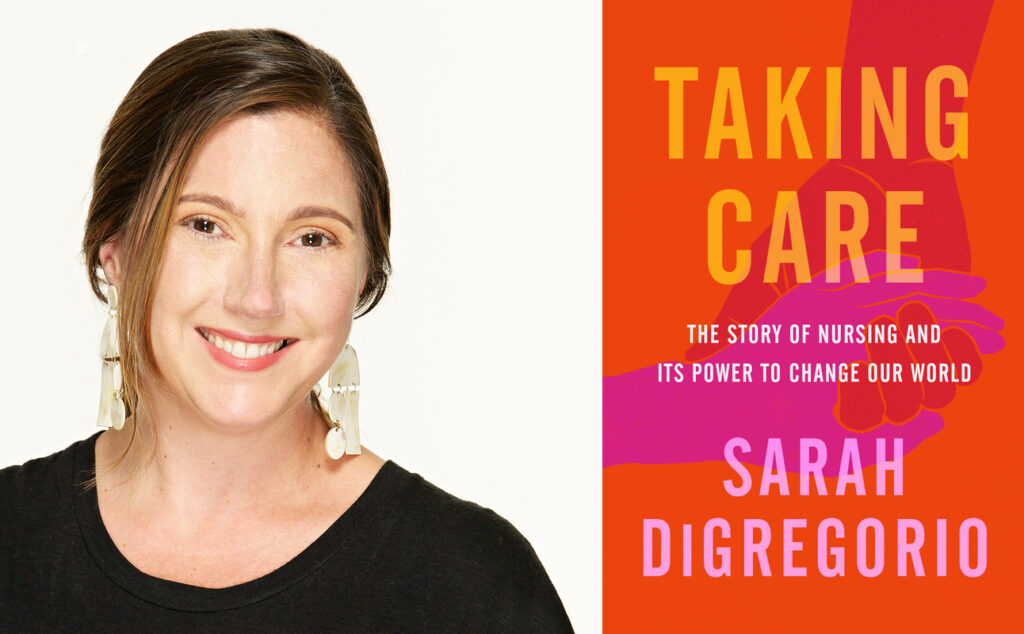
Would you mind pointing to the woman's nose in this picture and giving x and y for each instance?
(253, 289)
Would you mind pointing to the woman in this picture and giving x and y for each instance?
(240, 219)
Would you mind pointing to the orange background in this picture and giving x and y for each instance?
(656, 281)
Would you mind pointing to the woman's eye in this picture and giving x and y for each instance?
(205, 225)
(314, 240)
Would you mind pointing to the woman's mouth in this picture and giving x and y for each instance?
(241, 349)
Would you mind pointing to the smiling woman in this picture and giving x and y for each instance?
(240, 219)
(265, 246)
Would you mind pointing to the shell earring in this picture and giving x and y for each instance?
(342, 404)
(112, 408)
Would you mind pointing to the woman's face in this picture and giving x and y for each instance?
(265, 247)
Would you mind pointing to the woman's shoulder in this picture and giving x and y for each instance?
(37, 482)
(453, 525)
(468, 555)
(37, 520)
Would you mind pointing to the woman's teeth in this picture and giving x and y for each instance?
(243, 350)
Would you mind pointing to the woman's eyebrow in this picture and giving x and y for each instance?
(310, 211)
(305, 211)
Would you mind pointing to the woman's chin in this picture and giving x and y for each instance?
(248, 415)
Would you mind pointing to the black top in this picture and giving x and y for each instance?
(406, 556)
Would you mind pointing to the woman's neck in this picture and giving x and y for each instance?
(182, 463)
(214, 505)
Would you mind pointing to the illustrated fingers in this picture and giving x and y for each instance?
(849, 271)
(980, 323)
(942, 283)
(902, 397)
(854, 269)
(859, 406)
(944, 309)
(926, 348)
(962, 350)
(935, 282)
(987, 341)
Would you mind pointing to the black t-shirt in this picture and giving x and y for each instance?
(405, 557)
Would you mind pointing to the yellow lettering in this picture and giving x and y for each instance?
(728, 93)
(676, 77)
(897, 235)
(715, 237)
(787, 212)
(833, 118)
(956, 119)
(836, 237)
(894, 122)
(784, 108)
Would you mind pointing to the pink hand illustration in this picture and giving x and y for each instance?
(648, 421)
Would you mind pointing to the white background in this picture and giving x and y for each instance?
(481, 368)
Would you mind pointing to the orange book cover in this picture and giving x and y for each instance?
(810, 313)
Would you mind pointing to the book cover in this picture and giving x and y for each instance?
(810, 310)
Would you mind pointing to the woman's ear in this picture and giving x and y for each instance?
(110, 259)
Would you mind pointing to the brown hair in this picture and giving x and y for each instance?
(169, 109)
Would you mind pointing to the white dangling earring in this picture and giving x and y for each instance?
(112, 408)
(343, 404)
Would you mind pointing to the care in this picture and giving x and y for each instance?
(787, 220)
